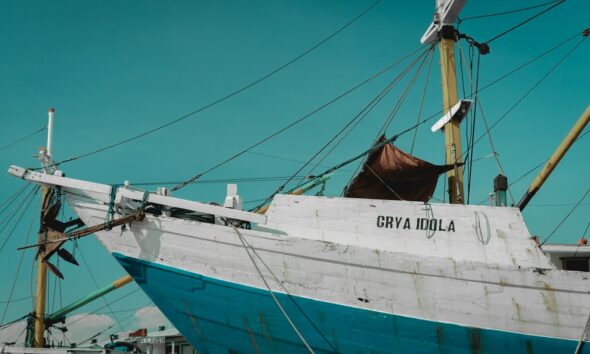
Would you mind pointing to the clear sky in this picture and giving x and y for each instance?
(113, 69)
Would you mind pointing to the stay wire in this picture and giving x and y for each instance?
(530, 90)
(98, 287)
(390, 117)
(422, 101)
(226, 97)
(18, 219)
(566, 217)
(524, 22)
(18, 268)
(23, 138)
(350, 126)
(102, 307)
(294, 123)
(370, 105)
(461, 20)
(12, 198)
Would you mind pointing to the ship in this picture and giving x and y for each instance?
(379, 270)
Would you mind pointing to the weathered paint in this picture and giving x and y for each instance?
(330, 254)
(223, 308)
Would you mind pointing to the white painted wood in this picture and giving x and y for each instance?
(332, 249)
(101, 192)
(504, 297)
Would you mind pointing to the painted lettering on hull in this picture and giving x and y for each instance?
(405, 223)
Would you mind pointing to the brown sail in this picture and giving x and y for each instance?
(390, 173)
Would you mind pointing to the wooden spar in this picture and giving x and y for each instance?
(41, 290)
(561, 150)
(89, 230)
(60, 315)
(452, 129)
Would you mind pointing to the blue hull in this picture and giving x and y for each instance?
(221, 317)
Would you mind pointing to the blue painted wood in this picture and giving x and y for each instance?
(218, 317)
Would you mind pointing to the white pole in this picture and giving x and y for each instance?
(50, 131)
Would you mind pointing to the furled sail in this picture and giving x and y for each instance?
(390, 173)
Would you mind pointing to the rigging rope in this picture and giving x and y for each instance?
(98, 288)
(461, 20)
(362, 114)
(343, 132)
(27, 200)
(530, 90)
(292, 124)
(422, 101)
(22, 139)
(566, 216)
(523, 22)
(285, 314)
(226, 97)
(18, 268)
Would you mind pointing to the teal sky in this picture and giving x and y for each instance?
(113, 69)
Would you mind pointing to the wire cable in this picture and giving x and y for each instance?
(294, 123)
(566, 217)
(530, 90)
(461, 20)
(226, 97)
(22, 139)
(523, 22)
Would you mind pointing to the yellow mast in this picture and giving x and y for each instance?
(41, 291)
(40, 294)
(452, 129)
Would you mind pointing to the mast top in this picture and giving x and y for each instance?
(446, 13)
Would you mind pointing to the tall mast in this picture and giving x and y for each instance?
(442, 30)
(41, 292)
(452, 129)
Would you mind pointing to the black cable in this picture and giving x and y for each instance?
(26, 201)
(530, 90)
(226, 97)
(350, 126)
(14, 196)
(98, 288)
(20, 263)
(366, 109)
(472, 137)
(523, 22)
(566, 217)
(422, 101)
(102, 307)
(461, 20)
(22, 139)
(292, 124)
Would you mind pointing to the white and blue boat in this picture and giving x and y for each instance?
(342, 274)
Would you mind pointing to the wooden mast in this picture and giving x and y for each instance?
(452, 129)
(41, 291)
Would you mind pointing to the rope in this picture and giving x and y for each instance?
(356, 120)
(523, 22)
(28, 200)
(226, 97)
(292, 124)
(285, 314)
(98, 287)
(566, 216)
(22, 139)
(18, 268)
(367, 110)
(461, 20)
(422, 101)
